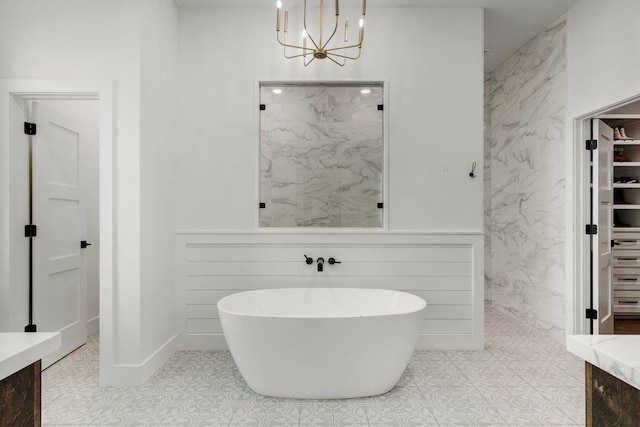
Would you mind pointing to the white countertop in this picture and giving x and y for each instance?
(20, 349)
(618, 355)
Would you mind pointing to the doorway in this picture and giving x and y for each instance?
(65, 195)
(607, 220)
(12, 289)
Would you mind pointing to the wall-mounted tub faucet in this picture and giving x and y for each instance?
(320, 262)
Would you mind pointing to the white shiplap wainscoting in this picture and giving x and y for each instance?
(446, 269)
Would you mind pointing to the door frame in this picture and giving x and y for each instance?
(578, 272)
(103, 92)
(578, 262)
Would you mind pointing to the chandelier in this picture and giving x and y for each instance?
(317, 47)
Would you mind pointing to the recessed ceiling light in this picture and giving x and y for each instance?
(277, 91)
(365, 91)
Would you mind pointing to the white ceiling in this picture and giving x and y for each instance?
(508, 24)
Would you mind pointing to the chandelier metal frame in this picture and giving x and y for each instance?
(319, 48)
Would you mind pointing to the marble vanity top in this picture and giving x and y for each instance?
(20, 349)
(618, 355)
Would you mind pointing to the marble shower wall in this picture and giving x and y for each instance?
(528, 102)
(321, 156)
(487, 186)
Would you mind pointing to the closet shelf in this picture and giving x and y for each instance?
(623, 185)
(628, 164)
(634, 229)
(626, 206)
(630, 142)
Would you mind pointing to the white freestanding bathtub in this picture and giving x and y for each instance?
(321, 343)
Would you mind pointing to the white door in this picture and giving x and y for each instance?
(602, 217)
(59, 270)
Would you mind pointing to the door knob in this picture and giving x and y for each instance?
(84, 244)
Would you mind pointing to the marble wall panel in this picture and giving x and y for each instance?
(487, 184)
(527, 97)
(321, 156)
(543, 58)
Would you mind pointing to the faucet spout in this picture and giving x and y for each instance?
(320, 262)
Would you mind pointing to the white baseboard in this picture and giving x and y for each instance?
(93, 325)
(135, 375)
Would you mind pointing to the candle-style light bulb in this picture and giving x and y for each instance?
(286, 19)
(364, 7)
(346, 30)
(278, 6)
(304, 42)
(361, 23)
(337, 7)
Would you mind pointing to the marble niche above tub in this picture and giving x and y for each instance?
(321, 155)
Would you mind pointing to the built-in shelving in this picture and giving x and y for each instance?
(626, 206)
(622, 185)
(626, 164)
(626, 217)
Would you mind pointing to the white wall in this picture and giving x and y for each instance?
(603, 55)
(433, 60)
(158, 174)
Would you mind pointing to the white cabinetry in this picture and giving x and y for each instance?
(626, 218)
(626, 273)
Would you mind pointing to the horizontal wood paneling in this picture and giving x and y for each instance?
(347, 254)
(442, 269)
(211, 326)
(458, 283)
(299, 268)
(431, 297)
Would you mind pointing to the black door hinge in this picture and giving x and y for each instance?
(29, 128)
(591, 144)
(380, 107)
(380, 205)
(30, 230)
(263, 107)
(592, 313)
(591, 229)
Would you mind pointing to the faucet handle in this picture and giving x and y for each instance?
(332, 261)
(308, 260)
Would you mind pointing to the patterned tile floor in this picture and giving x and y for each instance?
(520, 379)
